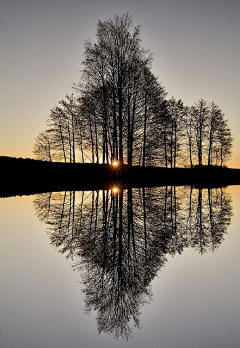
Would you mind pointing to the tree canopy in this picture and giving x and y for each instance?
(120, 112)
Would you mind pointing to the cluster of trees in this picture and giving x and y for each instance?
(119, 111)
(61, 138)
(120, 240)
(188, 136)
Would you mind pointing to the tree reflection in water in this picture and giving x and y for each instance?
(119, 240)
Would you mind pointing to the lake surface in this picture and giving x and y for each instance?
(137, 268)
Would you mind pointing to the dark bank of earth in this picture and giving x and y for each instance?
(28, 176)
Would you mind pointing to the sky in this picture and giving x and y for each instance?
(196, 46)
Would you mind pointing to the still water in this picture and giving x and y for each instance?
(139, 268)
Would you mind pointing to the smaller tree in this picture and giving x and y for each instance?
(200, 118)
(215, 120)
(56, 129)
(219, 137)
(42, 148)
(176, 130)
(225, 143)
(65, 134)
(188, 147)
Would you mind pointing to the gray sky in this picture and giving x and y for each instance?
(196, 46)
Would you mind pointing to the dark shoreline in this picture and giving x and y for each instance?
(28, 176)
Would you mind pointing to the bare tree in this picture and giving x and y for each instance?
(65, 134)
(42, 148)
(200, 116)
(63, 129)
(225, 143)
(176, 130)
(116, 78)
(188, 129)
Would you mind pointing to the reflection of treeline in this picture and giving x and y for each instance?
(119, 240)
(120, 112)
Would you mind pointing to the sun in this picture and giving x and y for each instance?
(115, 190)
(114, 163)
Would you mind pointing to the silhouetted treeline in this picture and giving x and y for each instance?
(119, 112)
(120, 239)
(23, 176)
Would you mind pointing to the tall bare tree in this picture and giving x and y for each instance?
(114, 79)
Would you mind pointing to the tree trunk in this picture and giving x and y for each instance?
(144, 132)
